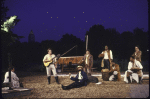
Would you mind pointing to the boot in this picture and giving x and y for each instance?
(129, 81)
(57, 80)
(49, 79)
(67, 87)
(64, 87)
(140, 82)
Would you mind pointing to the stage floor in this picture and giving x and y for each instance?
(107, 89)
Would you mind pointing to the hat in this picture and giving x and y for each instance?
(79, 66)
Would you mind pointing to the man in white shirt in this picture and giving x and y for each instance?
(108, 57)
(80, 80)
(52, 66)
(134, 66)
(14, 78)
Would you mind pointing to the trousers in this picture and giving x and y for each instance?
(106, 64)
(49, 68)
(87, 69)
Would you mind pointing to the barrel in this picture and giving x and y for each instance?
(105, 74)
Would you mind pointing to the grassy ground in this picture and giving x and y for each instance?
(108, 89)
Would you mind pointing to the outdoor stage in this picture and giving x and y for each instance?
(37, 81)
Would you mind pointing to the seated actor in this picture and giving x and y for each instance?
(134, 66)
(14, 78)
(80, 80)
(114, 72)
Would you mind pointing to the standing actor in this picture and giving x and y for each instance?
(80, 80)
(88, 59)
(108, 57)
(134, 66)
(137, 54)
(114, 72)
(52, 66)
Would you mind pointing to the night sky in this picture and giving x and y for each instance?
(50, 19)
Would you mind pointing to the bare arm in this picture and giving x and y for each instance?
(139, 54)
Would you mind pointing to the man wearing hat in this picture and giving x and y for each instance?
(80, 79)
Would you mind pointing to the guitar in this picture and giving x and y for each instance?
(50, 60)
(47, 62)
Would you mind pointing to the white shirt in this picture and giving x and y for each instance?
(80, 76)
(136, 64)
(86, 59)
(48, 57)
(14, 79)
(113, 67)
(106, 55)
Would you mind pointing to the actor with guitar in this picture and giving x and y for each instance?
(50, 63)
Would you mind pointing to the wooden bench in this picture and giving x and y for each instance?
(9, 84)
(69, 69)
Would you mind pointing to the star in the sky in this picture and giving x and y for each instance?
(57, 17)
(59, 35)
(79, 31)
(78, 21)
(54, 29)
(120, 19)
(100, 19)
(46, 29)
(55, 26)
(74, 17)
(93, 18)
(126, 20)
(121, 25)
(84, 29)
(43, 23)
(83, 12)
(109, 17)
(80, 28)
(104, 21)
(41, 31)
(86, 21)
(98, 23)
(51, 17)
(47, 12)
